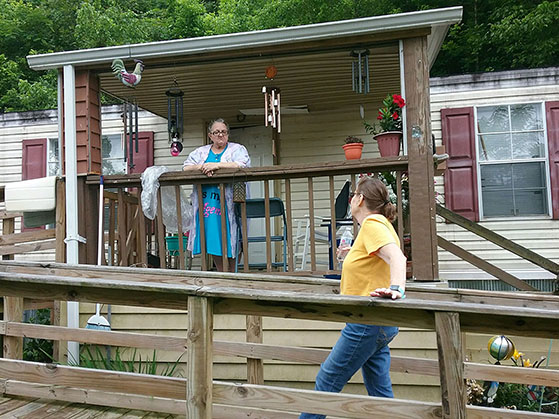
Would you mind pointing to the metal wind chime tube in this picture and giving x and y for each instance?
(272, 107)
(360, 71)
(131, 137)
(175, 118)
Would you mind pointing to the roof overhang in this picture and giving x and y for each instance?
(437, 21)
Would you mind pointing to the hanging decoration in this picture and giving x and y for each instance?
(128, 79)
(175, 118)
(360, 71)
(271, 72)
(272, 105)
(130, 119)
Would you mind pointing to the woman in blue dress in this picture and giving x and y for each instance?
(220, 154)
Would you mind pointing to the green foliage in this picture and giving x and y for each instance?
(38, 350)
(99, 359)
(494, 35)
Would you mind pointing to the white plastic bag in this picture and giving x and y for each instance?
(150, 185)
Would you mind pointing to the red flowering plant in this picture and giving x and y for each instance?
(389, 115)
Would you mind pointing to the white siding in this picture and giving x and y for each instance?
(540, 235)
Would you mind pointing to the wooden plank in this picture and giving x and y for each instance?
(289, 226)
(236, 412)
(534, 376)
(90, 379)
(199, 358)
(420, 154)
(224, 233)
(111, 240)
(129, 198)
(48, 409)
(102, 398)
(244, 222)
(333, 225)
(485, 266)
(160, 231)
(345, 405)
(311, 222)
(27, 236)
(255, 366)
(268, 226)
(141, 237)
(13, 311)
(27, 248)
(121, 223)
(400, 209)
(60, 224)
(180, 234)
(497, 239)
(451, 365)
(202, 228)
(9, 214)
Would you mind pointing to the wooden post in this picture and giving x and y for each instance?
(58, 347)
(451, 365)
(199, 358)
(420, 155)
(255, 367)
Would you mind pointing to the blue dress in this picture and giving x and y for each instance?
(212, 217)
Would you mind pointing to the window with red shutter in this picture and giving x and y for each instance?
(552, 119)
(460, 184)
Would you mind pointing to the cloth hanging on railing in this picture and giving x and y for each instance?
(150, 185)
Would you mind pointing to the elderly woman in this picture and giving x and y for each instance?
(375, 266)
(220, 154)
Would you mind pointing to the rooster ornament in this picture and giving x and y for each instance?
(128, 79)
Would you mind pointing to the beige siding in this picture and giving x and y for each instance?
(538, 234)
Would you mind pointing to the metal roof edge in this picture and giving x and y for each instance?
(375, 24)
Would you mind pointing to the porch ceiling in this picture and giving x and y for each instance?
(320, 80)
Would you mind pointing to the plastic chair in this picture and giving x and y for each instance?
(172, 243)
(303, 232)
(255, 209)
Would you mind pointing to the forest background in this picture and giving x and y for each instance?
(494, 35)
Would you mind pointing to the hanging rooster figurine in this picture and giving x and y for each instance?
(128, 79)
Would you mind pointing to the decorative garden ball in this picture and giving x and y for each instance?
(500, 347)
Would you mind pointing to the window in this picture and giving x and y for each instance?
(53, 163)
(511, 154)
(113, 154)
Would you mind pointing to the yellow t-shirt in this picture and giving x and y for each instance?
(363, 271)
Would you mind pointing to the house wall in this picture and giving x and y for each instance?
(540, 235)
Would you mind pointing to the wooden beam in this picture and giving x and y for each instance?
(451, 365)
(420, 154)
(255, 366)
(17, 249)
(497, 239)
(199, 358)
(485, 266)
(27, 236)
(13, 311)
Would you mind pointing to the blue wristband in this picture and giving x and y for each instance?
(399, 289)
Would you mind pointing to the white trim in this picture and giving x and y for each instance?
(437, 19)
(403, 94)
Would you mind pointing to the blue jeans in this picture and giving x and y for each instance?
(360, 346)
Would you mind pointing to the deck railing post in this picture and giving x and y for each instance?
(451, 365)
(199, 358)
(255, 367)
(13, 311)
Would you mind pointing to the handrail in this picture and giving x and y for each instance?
(448, 318)
(498, 239)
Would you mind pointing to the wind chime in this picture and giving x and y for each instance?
(130, 119)
(175, 118)
(360, 71)
(272, 101)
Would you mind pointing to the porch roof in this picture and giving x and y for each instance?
(437, 21)
(223, 75)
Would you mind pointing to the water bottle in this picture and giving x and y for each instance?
(345, 242)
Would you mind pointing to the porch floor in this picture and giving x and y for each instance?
(30, 408)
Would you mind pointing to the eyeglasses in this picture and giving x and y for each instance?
(352, 194)
(222, 132)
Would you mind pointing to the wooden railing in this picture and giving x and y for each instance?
(448, 312)
(134, 237)
(498, 240)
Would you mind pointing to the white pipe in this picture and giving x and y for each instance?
(72, 256)
(60, 123)
(403, 94)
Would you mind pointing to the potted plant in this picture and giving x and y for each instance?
(389, 131)
(353, 148)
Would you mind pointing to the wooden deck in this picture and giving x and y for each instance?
(29, 408)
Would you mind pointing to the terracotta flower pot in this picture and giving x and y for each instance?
(353, 151)
(389, 143)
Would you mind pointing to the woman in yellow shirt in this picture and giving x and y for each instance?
(374, 266)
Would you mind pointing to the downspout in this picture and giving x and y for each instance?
(60, 124)
(72, 237)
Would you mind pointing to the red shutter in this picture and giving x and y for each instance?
(460, 183)
(34, 159)
(144, 157)
(33, 164)
(552, 115)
